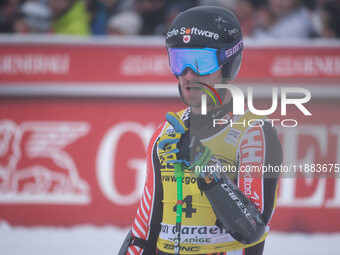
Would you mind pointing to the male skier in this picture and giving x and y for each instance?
(224, 212)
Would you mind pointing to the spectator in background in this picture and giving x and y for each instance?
(124, 23)
(8, 10)
(70, 17)
(230, 4)
(100, 11)
(158, 14)
(259, 18)
(103, 10)
(329, 18)
(245, 10)
(34, 17)
(175, 7)
(284, 19)
(152, 13)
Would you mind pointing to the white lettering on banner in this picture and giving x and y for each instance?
(306, 65)
(53, 179)
(37, 64)
(139, 65)
(287, 197)
(106, 157)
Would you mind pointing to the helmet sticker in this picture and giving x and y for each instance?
(235, 49)
(186, 38)
(200, 32)
(233, 31)
(192, 31)
(221, 23)
(172, 33)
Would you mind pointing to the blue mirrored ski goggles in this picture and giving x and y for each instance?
(202, 61)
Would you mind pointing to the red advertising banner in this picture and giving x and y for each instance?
(74, 162)
(143, 61)
(68, 162)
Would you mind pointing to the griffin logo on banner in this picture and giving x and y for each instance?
(34, 166)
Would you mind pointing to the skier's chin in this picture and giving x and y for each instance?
(194, 102)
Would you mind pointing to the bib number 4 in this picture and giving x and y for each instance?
(188, 209)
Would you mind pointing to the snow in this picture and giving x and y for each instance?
(91, 240)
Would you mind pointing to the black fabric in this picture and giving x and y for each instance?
(125, 245)
(273, 157)
(202, 125)
(148, 247)
(238, 215)
(255, 250)
(130, 240)
(202, 185)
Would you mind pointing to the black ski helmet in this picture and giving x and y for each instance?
(213, 27)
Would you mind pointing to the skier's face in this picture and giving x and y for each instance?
(192, 88)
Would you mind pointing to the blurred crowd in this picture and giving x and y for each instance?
(259, 18)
